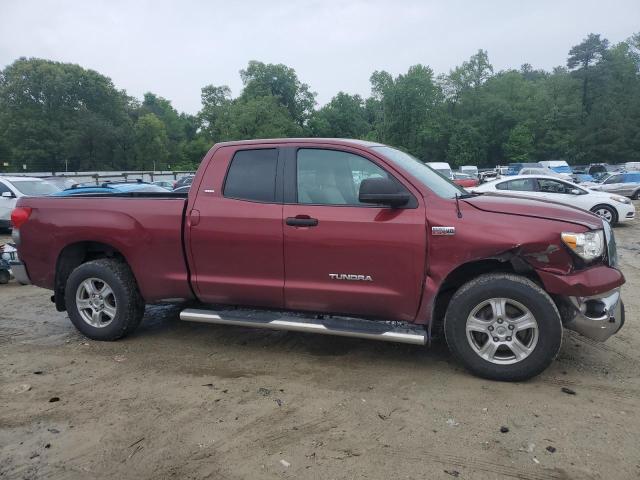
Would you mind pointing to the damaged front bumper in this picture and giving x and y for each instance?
(598, 316)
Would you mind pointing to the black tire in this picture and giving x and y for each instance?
(4, 277)
(129, 305)
(611, 210)
(509, 286)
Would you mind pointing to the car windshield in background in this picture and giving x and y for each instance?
(434, 181)
(32, 188)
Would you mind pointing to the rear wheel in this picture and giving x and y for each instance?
(503, 327)
(606, 212)
(103, 300)
(636, 195)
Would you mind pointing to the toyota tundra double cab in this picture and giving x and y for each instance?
(337, 237)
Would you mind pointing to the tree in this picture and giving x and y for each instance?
(582, 58)
(519, 146)
(281, 82)
(344, 116)
(151, 142)
(55, 114)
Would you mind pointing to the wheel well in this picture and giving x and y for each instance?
(73, 256)
(468, 271)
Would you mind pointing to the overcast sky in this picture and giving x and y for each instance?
(174, 48)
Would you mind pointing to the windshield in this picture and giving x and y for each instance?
(562, 169)
(430, 178)
(32, 188)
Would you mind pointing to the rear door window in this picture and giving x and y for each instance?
(252, 175)
(519, 185)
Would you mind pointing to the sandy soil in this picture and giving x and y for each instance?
(178, 400)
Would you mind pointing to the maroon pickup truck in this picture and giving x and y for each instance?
(339, 237)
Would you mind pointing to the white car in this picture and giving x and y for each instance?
(12, 188)
(613, 208)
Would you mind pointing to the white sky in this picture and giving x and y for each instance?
(174, 48)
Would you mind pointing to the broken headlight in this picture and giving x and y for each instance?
(588, 245)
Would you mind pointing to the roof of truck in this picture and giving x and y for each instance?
(337, 141)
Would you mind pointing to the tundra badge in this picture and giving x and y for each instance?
(443, 230)
(348, 276)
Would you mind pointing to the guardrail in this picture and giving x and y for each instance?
(150, 176)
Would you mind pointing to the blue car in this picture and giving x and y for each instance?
(111, 188)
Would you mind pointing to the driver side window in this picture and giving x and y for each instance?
(332, 177)
(553, 186)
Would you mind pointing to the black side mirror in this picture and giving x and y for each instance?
(383, 191)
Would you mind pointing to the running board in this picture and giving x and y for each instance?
(341, 326)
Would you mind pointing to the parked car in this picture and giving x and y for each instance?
(469, 170)
(111, 188)
(600, 169)
(632, 166)
(164, 184)
(441, 167)
(544, 171)
(558, 166)
(182, 181)
(623, 183)
(349, 238)
(582, 178)
(465, 180)
(13, 188)
(60, 182)
(514, 168)
(612, 208)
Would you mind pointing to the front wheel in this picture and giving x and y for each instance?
(606, 212)
(103, 300)
(503, 327)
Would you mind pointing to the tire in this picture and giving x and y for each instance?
(4, 277)
(542, 341)
(118, 310)
(636, 195)
(611, 212)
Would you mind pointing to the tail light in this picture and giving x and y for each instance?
(19, 216)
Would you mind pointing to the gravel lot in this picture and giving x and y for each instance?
(178, 400)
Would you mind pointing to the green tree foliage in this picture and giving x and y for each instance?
(152, 142)
(344, 116)
(279, 81)
(56, 115)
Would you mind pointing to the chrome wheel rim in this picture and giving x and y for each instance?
(96, 302)
(604, 213)
(502, 331)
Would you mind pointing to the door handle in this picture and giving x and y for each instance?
(194, 217)
(302, 221)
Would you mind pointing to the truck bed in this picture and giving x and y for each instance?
(145, 228)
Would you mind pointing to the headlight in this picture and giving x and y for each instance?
(588, 245)
(617, 198)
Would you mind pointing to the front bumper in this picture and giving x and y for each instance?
(19, 272)
(626, 212)
(598, 316)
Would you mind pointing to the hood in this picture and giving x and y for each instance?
(530, 207)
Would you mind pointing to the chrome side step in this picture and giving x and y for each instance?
(340, 326)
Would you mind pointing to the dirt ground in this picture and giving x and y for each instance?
(179, 400)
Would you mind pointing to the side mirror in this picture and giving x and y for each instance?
(8, 195)
(383, 191)
(575, 191)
